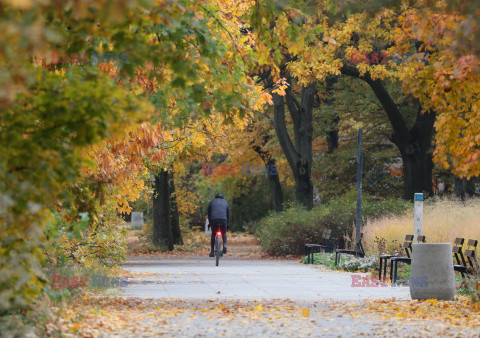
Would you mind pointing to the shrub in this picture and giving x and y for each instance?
(287, 232)
(347, 262)
(327, 259)
(84, 243)
(361, 264)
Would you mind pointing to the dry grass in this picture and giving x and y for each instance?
(443, 220)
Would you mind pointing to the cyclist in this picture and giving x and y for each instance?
(218, 216)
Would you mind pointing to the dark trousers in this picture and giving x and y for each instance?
(218, 226)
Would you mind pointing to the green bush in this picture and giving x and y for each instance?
(347, 262)
(287, 232)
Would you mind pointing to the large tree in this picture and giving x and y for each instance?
(166, 223)
(414, 143)
(298, 152)
(315, 46)
(418, 46)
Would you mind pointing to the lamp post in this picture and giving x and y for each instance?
(358, 220)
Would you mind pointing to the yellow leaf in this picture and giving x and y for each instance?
(259, 307)
(305, 312)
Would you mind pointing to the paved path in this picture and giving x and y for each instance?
(244, 298)
(246, 279)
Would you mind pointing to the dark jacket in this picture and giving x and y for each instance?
(218, 210)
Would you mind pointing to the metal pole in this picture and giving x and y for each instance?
(358, 220)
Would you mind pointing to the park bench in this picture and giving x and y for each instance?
(327, 246)
(384, 258)
(407, 260)
(458, 254)
(358, 252)
(470, 265)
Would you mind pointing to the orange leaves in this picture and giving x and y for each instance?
(466, 65)
(307, 57)
(458, 130)
(264, 98)
(461, 313)
(147, 139)
(448, 84)
(119, 162)
(280, 86)
(102, 316)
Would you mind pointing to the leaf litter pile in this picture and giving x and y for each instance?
(93, 316)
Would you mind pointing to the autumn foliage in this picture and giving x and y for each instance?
(80, 142)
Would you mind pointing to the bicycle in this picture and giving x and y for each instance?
(218, 247)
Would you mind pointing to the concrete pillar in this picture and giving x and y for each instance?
(432, 275)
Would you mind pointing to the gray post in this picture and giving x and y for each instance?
(358, 220)
(418, 214)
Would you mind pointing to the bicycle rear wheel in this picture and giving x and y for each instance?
(217, 250)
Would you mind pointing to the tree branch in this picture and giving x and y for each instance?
(282, 133)
(399, 124)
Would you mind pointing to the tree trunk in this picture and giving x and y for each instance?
(464, 187)
(299, 157)
(276, 194)
(162, 229)
(417, 174)
(414, 144)
(332, 140)
(303, 184)
(417, 160)
(275, 186)
(175, 220)
(332, 133)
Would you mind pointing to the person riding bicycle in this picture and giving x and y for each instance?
(218, 216)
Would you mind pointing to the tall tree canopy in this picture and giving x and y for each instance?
(179, 69)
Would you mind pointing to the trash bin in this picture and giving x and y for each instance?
(432, 275)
